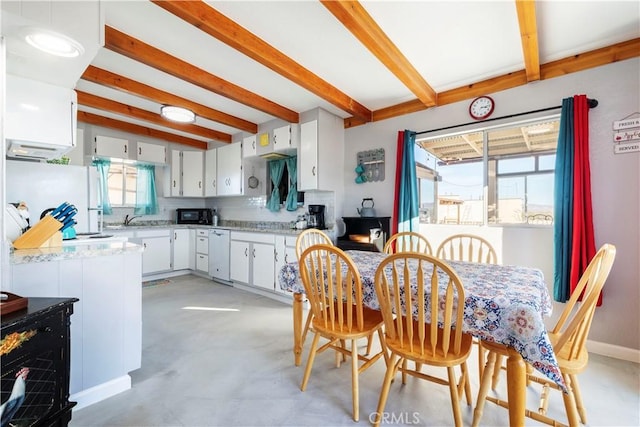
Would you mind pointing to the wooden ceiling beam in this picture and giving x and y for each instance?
(529, 36)
(573, 64)
(139, 51)
(212, 22)
(356, 19)
(98, 120)
(115, 81)
(94, 101)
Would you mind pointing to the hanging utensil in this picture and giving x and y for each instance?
(253, 182)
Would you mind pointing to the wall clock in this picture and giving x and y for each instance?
(481, 107)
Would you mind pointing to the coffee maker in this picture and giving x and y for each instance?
(316, 217)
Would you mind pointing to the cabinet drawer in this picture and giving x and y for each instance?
(202, 262)
(253, 237)
(163, 232)
(202, 245)
(202, 233)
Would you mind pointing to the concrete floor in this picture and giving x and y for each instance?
(232, 365)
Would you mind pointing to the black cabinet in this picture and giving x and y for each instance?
(358, 225)
(35, 363)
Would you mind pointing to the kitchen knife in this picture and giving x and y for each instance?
(68, 212)
(69, 223)
(59, 209)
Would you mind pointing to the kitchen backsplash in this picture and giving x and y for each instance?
(234, 208)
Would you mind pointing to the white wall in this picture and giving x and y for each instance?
(615, 180)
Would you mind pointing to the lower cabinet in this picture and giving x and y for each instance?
(252, 259)
(157, 250)
(202, 250)
(183, 248)
(285, 247)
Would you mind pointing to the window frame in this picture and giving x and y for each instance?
(126, 170)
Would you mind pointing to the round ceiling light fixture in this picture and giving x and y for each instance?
(177, 114)
(53, 43)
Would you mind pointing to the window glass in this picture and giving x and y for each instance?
(518, 174)
(427, 190)
(122, 184)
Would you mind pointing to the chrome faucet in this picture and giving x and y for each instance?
(127, 220)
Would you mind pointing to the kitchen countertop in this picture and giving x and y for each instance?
(71, 251)
(254, 227)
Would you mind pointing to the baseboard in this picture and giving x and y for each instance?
(615, 351)
(100, 392)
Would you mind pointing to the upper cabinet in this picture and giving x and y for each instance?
(280, 141)
(321, 137)
(41, 119)
(187, 172)
(211, 173)
(229, 169)
(249, 146)
(151, 153)
(106, 146)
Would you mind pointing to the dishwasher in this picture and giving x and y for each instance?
(219, 255)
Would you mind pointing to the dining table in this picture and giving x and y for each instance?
(505, 304)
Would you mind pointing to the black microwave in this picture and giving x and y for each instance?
(200, 216)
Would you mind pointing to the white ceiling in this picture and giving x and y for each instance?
(450, 43)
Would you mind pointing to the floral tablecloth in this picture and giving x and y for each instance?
(504, 303)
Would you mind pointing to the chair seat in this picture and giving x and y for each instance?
(372, 320)
(424, 355)
(567, 365)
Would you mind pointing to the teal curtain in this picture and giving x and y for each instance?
(276, 169)
(563, 203)
(146, 199)
(103, 171)
(292, 196)
(408, 200)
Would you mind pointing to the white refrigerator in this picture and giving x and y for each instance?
(42, 186)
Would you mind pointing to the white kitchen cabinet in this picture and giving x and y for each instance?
(106, 146)
(192, 173)
(187, 172)
(249, 146)
(252, 259)
(152, 153)
(202, 250)
(210, 172)
(239, 260)
(157, 250)
(39, 114)
(262, 264)
(229, 169)
(321, 137)
(285, 138)
(285, 252)
(183, 249)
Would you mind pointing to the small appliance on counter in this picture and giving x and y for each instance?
(198, 216)
(316, 217)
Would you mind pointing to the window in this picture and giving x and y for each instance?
(122, 184)
(499, 175)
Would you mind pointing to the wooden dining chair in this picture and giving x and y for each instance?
(407, 241)
(432, 334)
(469, 247)
(334, 288)
(568, 338)
(307, 238)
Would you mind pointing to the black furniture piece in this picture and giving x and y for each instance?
(358, 225)
(35, 363)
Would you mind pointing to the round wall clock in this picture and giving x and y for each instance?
(481, 107)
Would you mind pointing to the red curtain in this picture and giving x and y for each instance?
(583, 246)
(396, 198)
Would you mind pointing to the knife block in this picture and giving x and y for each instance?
(40, 233)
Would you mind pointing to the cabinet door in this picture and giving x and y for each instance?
(239, 261)
(282, 138)
(230, 169)
(192, 173)
(202, 245)
(176, 173)
(157, 254)
(152, 153)
(210, 173)
(263, 265)
(308, 156)
(249, 146)
(182, 248)
(111, 147)
(202, 263)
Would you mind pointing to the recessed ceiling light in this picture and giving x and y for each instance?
(53, 43)
(177, 114)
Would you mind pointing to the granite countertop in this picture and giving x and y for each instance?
(249, 226)
(71, 251)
